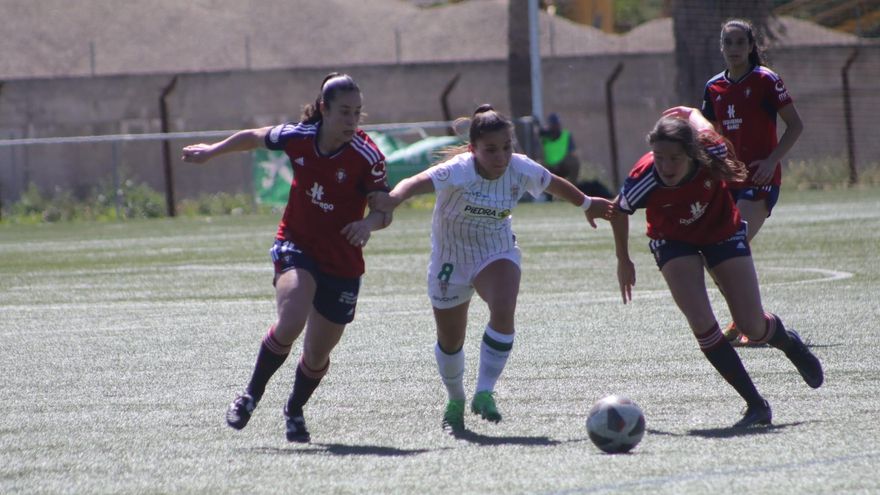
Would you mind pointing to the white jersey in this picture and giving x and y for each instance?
(472, 216)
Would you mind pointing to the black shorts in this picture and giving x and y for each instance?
(335, 297)
(735, 245)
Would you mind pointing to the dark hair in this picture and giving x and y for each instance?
(484, 121)
(707, 148)
(333, 84)
(755, 57)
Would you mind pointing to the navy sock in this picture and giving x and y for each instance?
(269, 358)
(778, 337)
(726, 361)
(304, 385)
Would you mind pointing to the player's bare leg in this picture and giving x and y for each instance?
(498, 285)
(449, 353)
(685, 277)
(754, 213)
(740, 282)
(294, 292)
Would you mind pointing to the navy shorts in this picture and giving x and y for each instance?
(735, 245)
(335, 297)
(768, 194)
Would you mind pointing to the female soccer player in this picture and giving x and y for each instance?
(682, 184)
(318, 248)
(474, 249)
(743, 102)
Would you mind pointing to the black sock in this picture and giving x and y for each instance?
(303, 387)
(726, 361)
(269, 359)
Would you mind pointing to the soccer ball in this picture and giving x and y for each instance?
(616, 424)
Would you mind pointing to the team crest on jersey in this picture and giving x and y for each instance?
(340, 175)
(707, 184)
(748, 92)
(442, 174)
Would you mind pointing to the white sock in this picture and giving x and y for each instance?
(451, 368)
(494, 350)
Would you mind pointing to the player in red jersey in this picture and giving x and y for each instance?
(743, 102)
(692, 221)
(318, 249)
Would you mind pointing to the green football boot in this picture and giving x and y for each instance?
(484, 405)
(453, 417)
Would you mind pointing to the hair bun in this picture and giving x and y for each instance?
(485, 107)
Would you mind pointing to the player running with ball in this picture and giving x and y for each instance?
(691, 217)
(474, 249)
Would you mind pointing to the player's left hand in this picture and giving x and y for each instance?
(357, 233)
(764, 170)
(599, 208)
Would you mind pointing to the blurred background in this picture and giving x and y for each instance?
(127, 70)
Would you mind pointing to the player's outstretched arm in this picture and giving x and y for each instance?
(411, 186)
(626, 270)
(244, 140)
(694, 117)
(594, 207)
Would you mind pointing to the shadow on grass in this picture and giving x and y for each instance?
(480, 439)
(727, 432)
(342, 450)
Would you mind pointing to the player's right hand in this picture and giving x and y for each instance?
(626, 277)
(197, 153)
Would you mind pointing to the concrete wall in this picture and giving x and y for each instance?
(573, 86)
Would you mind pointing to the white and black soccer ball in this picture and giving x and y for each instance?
(616, 424)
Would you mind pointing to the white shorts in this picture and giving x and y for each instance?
(450, 285)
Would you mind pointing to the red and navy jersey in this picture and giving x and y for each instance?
(745, 113)
(328, 192)
(700, 211)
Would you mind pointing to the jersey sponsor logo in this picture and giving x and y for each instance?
(378, 171)
(697, 211)
(317, 195)
(483, 212)
(732, 122)
(780, 88)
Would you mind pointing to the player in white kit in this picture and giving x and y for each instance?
(473, 248)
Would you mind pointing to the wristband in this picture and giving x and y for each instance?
(586, 204)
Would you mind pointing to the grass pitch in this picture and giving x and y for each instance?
(123, 343)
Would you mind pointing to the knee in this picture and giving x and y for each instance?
(753, 328)
(501, 314)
